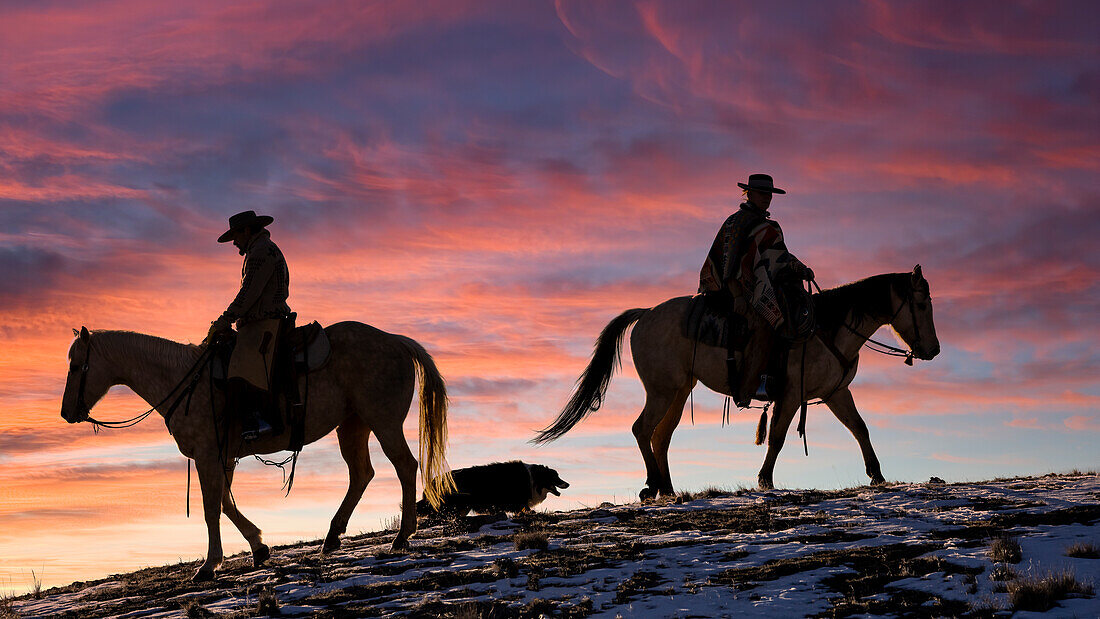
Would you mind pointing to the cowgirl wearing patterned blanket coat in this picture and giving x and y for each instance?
(745, 261)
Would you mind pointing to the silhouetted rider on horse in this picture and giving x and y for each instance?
(748, 266)
(260, 311)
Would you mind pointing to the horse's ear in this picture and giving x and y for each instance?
(84, 335)
(917, 275)
(76, 333)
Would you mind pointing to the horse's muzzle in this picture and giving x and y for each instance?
(927, 355)
(79, 415)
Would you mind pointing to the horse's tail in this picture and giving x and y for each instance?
(589, 391)
(433, 424)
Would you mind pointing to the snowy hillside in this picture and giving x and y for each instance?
(901, 550)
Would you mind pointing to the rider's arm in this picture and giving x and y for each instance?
(259, 267)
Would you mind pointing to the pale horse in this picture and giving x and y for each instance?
(366, 386)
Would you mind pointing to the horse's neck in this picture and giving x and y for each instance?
(148, 365)
(854, 334)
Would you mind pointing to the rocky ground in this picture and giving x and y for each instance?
(1021, 547)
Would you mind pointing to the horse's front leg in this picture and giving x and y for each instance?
(212, 483)
(782, 416)
(251, 533)
(844, 407)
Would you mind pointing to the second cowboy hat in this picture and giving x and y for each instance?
(240, 220)
(760, 182)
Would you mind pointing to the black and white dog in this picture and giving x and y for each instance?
(498, 487)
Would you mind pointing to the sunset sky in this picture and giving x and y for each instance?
(497, 180)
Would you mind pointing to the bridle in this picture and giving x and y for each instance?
(86, 414)
(887, 349)
(81, 405)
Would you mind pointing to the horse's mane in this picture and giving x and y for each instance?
(866, 297)
(122, 344)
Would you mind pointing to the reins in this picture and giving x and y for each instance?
(136, 419)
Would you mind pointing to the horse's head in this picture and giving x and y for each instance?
(87, 380)
(913, 318)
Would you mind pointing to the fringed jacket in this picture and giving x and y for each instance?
(265, 283)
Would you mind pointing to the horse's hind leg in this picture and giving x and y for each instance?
(353, 435)
(662, 437)
(656, 406)
(844, 407)
(782, 416)
(397, 450)
(251, 533)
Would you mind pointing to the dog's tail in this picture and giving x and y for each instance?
(591, 386)
(433, 424)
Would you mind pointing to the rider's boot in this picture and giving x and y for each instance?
(244, 401)
(769, 388)
(254, 426)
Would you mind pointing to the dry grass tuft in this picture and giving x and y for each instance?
(1005, 549)
(392, 523)
(1040, 593)
(532, 539)
(268, 603)
(713, 492)
(194, 610)
(1083, 550)
(37, 585)
(7, 611)
(1072, 473)
(638, 584)
(987, 605)
(476, 610)
(1002, 573)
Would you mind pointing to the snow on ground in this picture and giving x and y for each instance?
(904, 549)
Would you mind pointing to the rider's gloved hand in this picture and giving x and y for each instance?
(218, 326)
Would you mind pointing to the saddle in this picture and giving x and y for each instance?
(301, 351)
(304, 349)
(708, 321)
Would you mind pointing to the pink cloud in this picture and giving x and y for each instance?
(1087, 423)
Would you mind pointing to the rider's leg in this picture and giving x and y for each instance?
(246, 401)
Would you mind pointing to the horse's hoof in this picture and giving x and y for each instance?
(766, 484)
(203, 575)
(399, 545)
(647, 494)
(260, 554)
(878, 480)
(330, 545)
(666, 492)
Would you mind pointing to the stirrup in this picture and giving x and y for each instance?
(262, 428)
(762, 391)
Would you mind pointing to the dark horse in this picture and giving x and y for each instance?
(670, 364)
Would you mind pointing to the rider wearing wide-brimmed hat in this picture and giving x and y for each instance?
(745, 261)
(258, 309)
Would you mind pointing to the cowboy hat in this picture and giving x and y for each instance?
(760, 182)
(240, 220)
